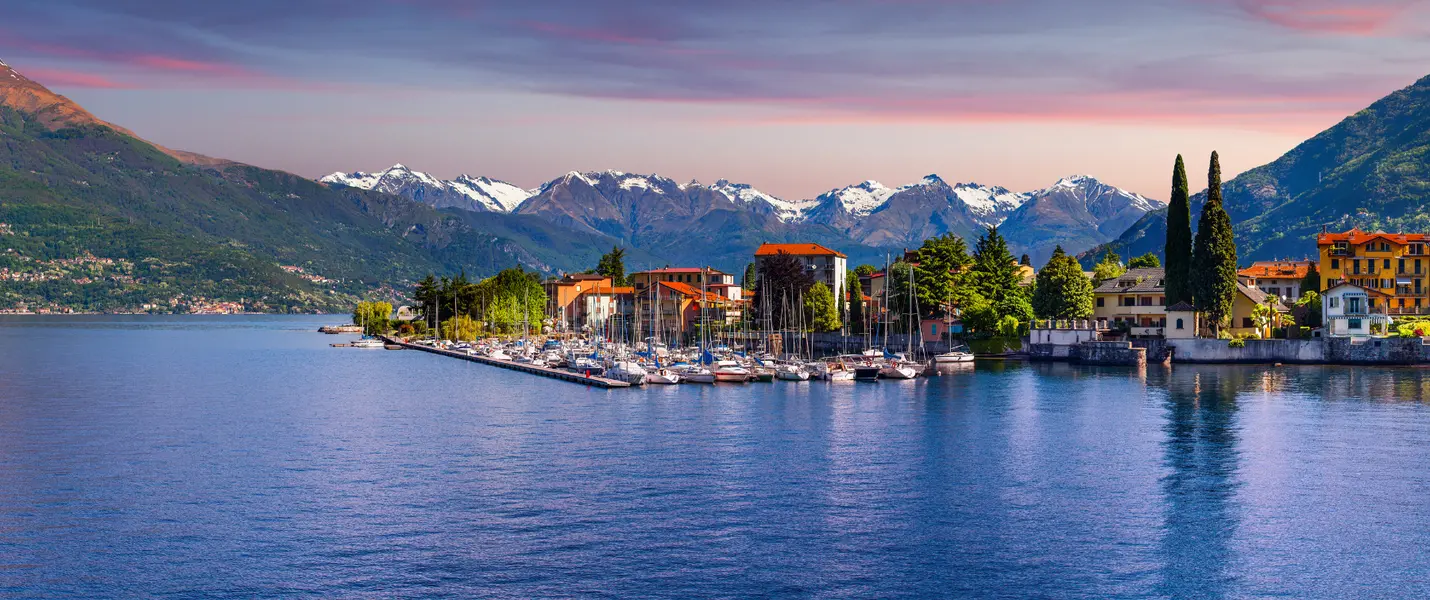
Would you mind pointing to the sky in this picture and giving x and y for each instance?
(793, 97)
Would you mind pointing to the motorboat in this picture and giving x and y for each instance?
(791, 372)
(584, 364)
(628, 371)
(366, 343)
(498, 354)
(841, 372)
(867, 372)
(698, 375)
(898, 370)
(731, 371)
(662, 377)
(762, 374)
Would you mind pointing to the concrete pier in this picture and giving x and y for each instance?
(600, 382)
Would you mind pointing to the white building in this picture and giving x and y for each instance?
(1351, 310)
(827, 266)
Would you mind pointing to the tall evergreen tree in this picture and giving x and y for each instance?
(1214, 255)
(995, 273)
(749, 281)
(819, 310)
(1063, 292)
(1178, 249)
(613, 265)
(1312, 281)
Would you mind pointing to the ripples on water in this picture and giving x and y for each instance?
(242, 457)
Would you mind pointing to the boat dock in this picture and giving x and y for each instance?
(600, 382)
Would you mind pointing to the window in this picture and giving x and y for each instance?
(1099, 302)
(1274, 291)
(1247, 322)
(1179, 323)
(1335, 263)
(1370, 302)
(1162, 300)
(1401, 265)
(1386, 264)
(1146, 301)
(1355, 266)
(1353, 323)
(1334, 302)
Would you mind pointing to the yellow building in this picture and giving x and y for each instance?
(1243, 312)
(1137, 300)
(1393, 264)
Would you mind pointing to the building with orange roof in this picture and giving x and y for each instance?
(1279, 278)
(826, 265)
(1393, 265)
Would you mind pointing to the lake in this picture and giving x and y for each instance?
(241, 457)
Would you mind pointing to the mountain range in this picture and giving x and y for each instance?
(661, 215)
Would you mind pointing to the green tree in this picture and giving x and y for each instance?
(819, 308)
(994, 273)
(1178, 248)
(1312, 281)
(1214, 255)
(865, 270)
(1307, 310)
(856, 303)
(1026, 261)
(749, 281)
(940, 272)
(1062, 292)
(375, 317)
(1146, 261)
(978, 315)
(1109, 268)
(613, 265)
(461, 328)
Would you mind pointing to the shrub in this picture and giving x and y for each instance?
(1236, 343)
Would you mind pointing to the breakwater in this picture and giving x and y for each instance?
(600, 382)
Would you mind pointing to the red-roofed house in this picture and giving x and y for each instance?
(827, 266)
(1395, 265)
(1280, 278)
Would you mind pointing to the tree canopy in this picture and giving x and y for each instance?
(856, 303)
(373, 316)
(613, 265)
(1063, 292)
(994, 272)
(942, 262)
(820, 312)
(783, 282)
(1146, 261)
(1109, 268)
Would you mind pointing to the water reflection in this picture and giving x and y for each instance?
(1199, 491)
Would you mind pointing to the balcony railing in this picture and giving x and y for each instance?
(1407, 311)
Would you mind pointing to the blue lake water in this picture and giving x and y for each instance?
(241, 457)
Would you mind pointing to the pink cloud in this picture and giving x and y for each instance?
(75, 79)
(1364, 18)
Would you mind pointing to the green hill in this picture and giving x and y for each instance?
(1371, 170)
(95, 219)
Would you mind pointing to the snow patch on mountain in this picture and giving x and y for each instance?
(743, 193)
(1089, 188)
(989, 204)
(863, 199)
(481, 192)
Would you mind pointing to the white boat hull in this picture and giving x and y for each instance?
(899, 372)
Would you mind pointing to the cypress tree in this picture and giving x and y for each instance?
(1214, 254)
(1178, 250)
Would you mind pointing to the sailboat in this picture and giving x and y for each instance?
(365, 342)
(898, 367)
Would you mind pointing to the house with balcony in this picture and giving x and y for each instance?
(1396, 266)
(1279, 278)
(563, 294)
(826, 265)
(1136, 301)
(1350, 310)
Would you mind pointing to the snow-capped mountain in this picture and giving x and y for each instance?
(742, 193)
(648, 211)
(1077, 212)
(480, 194)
